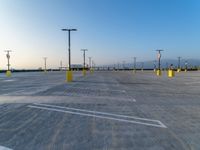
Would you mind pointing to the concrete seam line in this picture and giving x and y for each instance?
(97, 116)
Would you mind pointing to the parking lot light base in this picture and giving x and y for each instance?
(158, 72)
(69, 76)
(8, 73)
(171, 73)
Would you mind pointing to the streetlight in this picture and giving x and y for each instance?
(84, 71)
(45, 64)
(142, 66)
(186, 66)
(134, 58)
(8, 72)
(179, 64)
(159, 57)
(69, 75)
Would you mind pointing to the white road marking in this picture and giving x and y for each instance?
(98, 112)
(98, 115)
(4, 148)
(11, 80)
(94, 89)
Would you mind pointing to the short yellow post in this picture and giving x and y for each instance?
(178, 70)
(84, 72)
(158, 72)
(171, 73)
(8, 73)
(69, 76)
(185, 70)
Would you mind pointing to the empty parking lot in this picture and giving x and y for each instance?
(101, 111)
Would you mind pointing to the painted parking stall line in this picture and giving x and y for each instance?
(102, 115)
(4, 148)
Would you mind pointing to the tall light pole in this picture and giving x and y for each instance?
(45, 64)
(179, 64)
(142, 66)
(84, 71)
(159, 58)
(134, 58)
(8, 72)
(8, 58)
(90, 62)
(69, 74)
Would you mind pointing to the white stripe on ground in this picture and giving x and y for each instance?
(97, 112)
(97, 116)
(4, 148)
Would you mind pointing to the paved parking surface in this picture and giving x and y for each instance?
(102, 111)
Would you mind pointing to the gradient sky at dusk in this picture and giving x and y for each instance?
(112, 30)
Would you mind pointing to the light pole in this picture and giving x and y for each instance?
(84, 71)
(8, 72)
(90, 62)
(179, 64)
(142, 66)
(159, 64)
(134, 58)
(186, 66)
(45, 64)
(69, 75)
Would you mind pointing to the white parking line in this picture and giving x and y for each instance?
(98, 115)
(4, 148)
(98, 112)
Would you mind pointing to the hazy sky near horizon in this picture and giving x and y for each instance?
(112, 30)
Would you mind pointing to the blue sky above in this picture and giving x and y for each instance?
(112, 30)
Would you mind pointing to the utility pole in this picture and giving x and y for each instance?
(159, 64)
(45, 64)
(69, 75)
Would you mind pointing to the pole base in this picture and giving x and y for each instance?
(158, 72)
(179, 70)
(69, 76)
(8, 73)
(84, 72)
(171, 73)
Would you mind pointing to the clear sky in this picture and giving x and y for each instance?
(112, 30)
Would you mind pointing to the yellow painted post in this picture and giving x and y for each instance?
(84, 72)
(185, 70)
(8, 73)
(178, 70)
(69, 76)
(171, 73)
(158, 72)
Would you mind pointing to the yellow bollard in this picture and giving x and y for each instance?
(178, 70)
(84, 72)
(69, 76)
(185, 70)
(171, 73)
(158, 72)
(8, 73)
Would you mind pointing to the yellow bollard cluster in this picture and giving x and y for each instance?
(8, 73)
(171, 73)
(158, 72)
(69, 76)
